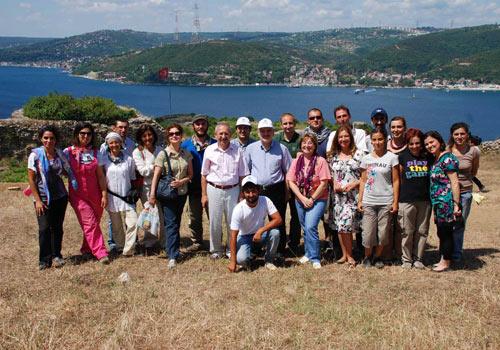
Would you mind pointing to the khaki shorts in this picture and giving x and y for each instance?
(376, 225)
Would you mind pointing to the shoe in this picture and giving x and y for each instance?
(104, 260)
(228, 255)
(379, 264)
(304, 260)
(193, 248)
(341, 260)
(43, 266)
(406, 265)
(270, 266)
(215, 256)
(316, 265)
(436, 269)
(171, 264)
(418, 265)
(367, 263)
(58, 261)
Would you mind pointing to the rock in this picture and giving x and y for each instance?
(14, 188)
(124, 278)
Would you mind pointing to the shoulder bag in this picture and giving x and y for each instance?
(164, 190)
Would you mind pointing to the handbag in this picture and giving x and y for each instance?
(164, 190)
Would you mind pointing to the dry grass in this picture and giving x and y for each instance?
(201, 305)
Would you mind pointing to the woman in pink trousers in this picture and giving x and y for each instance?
(91, 198)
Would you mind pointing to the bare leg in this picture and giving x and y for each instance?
(343, 259)
(347, 244)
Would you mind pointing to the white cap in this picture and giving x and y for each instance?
(265, 123)
(243, 121)
(249, 179)
(113, 136)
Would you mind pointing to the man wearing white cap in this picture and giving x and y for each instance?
(248, 226)
(222, 170)
(268, 161)
(243, 129)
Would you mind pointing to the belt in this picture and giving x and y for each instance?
(222, 187)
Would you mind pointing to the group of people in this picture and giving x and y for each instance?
(379, 187)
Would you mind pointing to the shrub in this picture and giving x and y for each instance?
(65, 107)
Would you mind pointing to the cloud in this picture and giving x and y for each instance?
(25, 5)
(265, 3)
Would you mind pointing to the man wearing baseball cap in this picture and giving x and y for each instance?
(379, 119)
(197, 145)
(268, 161)
(243, 129)
(248, 226)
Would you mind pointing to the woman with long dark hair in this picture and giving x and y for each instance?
(46, 166)
(91, 198)
(445, 195)
(468, 164)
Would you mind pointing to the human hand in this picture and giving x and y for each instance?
(204, 201)
(337, 187)
(257, 236)
(394, 208)
(152, 201)
(232, 266)
(176, 183)
(104, 201)
(360, 207)
(39, 208)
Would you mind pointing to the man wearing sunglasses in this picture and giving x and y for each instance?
(315, 126)
(197, 145)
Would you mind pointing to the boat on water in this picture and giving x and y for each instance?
(363, 91)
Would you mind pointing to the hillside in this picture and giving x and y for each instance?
(440, 52)
(213, 61)
(14, 41)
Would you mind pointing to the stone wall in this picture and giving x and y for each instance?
(19, 134)
(490, 146)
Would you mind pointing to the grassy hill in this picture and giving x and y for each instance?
(14, 41)
(245, 62)
(441, 51)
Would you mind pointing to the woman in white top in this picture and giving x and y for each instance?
(120, 171)
(144, 157)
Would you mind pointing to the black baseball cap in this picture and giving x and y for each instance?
(379, 112)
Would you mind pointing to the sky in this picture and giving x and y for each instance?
(62, 18)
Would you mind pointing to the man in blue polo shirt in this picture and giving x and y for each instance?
(197, 145)
(268, 161)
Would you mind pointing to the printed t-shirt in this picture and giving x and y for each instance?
(378, 187)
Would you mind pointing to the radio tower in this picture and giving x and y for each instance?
(176, 34)
(196, 23)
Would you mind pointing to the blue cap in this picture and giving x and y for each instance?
(379, 111)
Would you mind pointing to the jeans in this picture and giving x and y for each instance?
(172, 212)
(111, 241)
(50, 230)
(277, 194)
(309, 220)
(244, 244)
(459, 226)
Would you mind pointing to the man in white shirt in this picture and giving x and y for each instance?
(222, 169)
(248, 226)
(342, 116)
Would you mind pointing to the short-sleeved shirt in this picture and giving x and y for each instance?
(247, 220)
(197, 152)
(119, 174)
(465, 165)
(359, 139)
(179, 163)
(145, 162)
(55, 183)
(127, 147)
(268, 166)
(243, 146)
(414, 177)
(440, 189)
(378, 187)
(293, 145)
(224, 167)
(321, 173)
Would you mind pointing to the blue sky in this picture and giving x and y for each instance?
(60, 18)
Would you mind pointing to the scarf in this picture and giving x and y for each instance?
(200, 146)
(322, 134)
(305, 182)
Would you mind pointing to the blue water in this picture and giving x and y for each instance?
(425, 109)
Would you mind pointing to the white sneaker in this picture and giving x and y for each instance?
(316, 265)
(172, 264)
(228, 255)
(270, 266)
(215, 256)
(304, 260)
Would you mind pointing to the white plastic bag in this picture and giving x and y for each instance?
(149, 219)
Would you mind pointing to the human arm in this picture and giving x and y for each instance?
(145, 168)
(362, 182)
(475, 162)
(274, 222)
(154, 185)
(306, 202)
(180, 182)
(395, 189)
(101, 179)
(455, 190)
(232, 246)
(204, 197)
(39, 205)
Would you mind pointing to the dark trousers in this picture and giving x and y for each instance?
(172, 212)
(50, 230)
(445, 234)
(277, 194)
(294, 229)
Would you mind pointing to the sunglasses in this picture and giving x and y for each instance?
(84, 133)
(315, 117)
(174, 133)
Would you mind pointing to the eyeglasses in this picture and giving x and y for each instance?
(315, 117)
(174, 133)
(84, 133)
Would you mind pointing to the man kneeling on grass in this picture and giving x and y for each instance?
(247, 226)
